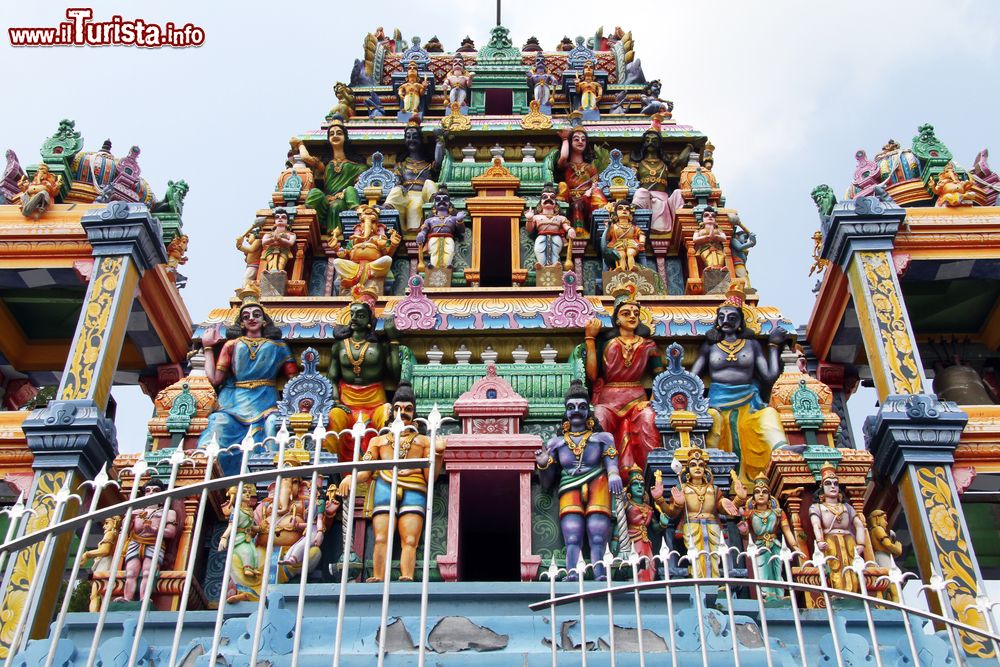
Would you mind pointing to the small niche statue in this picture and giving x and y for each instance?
(766, 523)
(39, 193)
(439, 232)
(367, 258)
(278, 244)
(141, 541)
(838, 529)
(552, 230)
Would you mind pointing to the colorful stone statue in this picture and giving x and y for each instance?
(579, 184)
(246, 373)
(457, 82)
(542, 84)
(39, 193)
(766, 524)
(618, 360)
(367, 258)
(651, 102)
(412, 90)
(623, 241)
(741, 375)
(839, 531)
(244, 580)
(700, 502)
(654, 168)
(950, 189)
(587, 87)
(639, 514)
(416, 177)
(884, 543)
(176, 252)
(743, 239)
(709, 242)
(102, 557)
(439, 232)
(411, 484)
(249, 243)
(337, 193)
(278, 244)
(586, 462)
(551, 230)
(362, 362)
(140, 543)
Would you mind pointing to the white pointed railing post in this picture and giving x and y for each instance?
(396, 430)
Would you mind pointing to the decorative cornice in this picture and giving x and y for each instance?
(71, 434)
(865, 223)
(123, 228)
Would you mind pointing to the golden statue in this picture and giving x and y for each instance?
(368, 255)
(176, 252)
(412, 90)
(623, 240)
(40, 192)
(701, 502)
(249, 244)
(102, 557)
(950, 189)
(710, 241)
(839, 531)
(589, 89)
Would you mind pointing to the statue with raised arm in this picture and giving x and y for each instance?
(245, 374)
(651, 102)
(457, 82)
(416, 176)
(742, 374)
(579, 185)
(698, 503)
(542, 84)
(838, 529)
(411, 486)
(618, 360)
(362, 362)
(639, 515)
(584, 459)
(249, 243)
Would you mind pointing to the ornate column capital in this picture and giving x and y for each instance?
(72, 435)
(126, 229)
(865, 223)
(915, 429)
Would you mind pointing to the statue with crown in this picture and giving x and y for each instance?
(245, 373)
(742, 372)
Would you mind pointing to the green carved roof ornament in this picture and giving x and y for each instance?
(64, 144)
(805, 407)
(928, 148)
(500, 47)
(181, 412)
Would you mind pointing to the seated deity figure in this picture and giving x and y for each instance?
(412, 90)
(416, 177)
(367, 258)
(552, 230)
(542, 83)
(411, 487)
(141, 542)
(278, 244)
(618, 360)
(362, 362)
(697, 502)
(579, 184)
(337, 193)
(710, 242)
(588, 88)
(457, 82)
(439, 232)
(653, 168)
(585, 462)
(741, 375)
(623, 241)
(766, 524)
(245, 374)
(40, 192)
(839, 531)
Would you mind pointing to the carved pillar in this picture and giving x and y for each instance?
(70, 438)
(913, 436)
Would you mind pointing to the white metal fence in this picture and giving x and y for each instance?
(590, 603)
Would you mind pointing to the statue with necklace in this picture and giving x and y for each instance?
(618, 360)
(765, 523)
(586, 462)
(416, 176)
(741, 375)
(362, 362)
(339, 176)
(700, 502)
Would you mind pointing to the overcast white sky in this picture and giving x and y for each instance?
(787, 91)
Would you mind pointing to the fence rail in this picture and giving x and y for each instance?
(692, 609)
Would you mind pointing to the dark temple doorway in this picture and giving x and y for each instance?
(499, 102)
(489, 536)
(494, 252)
